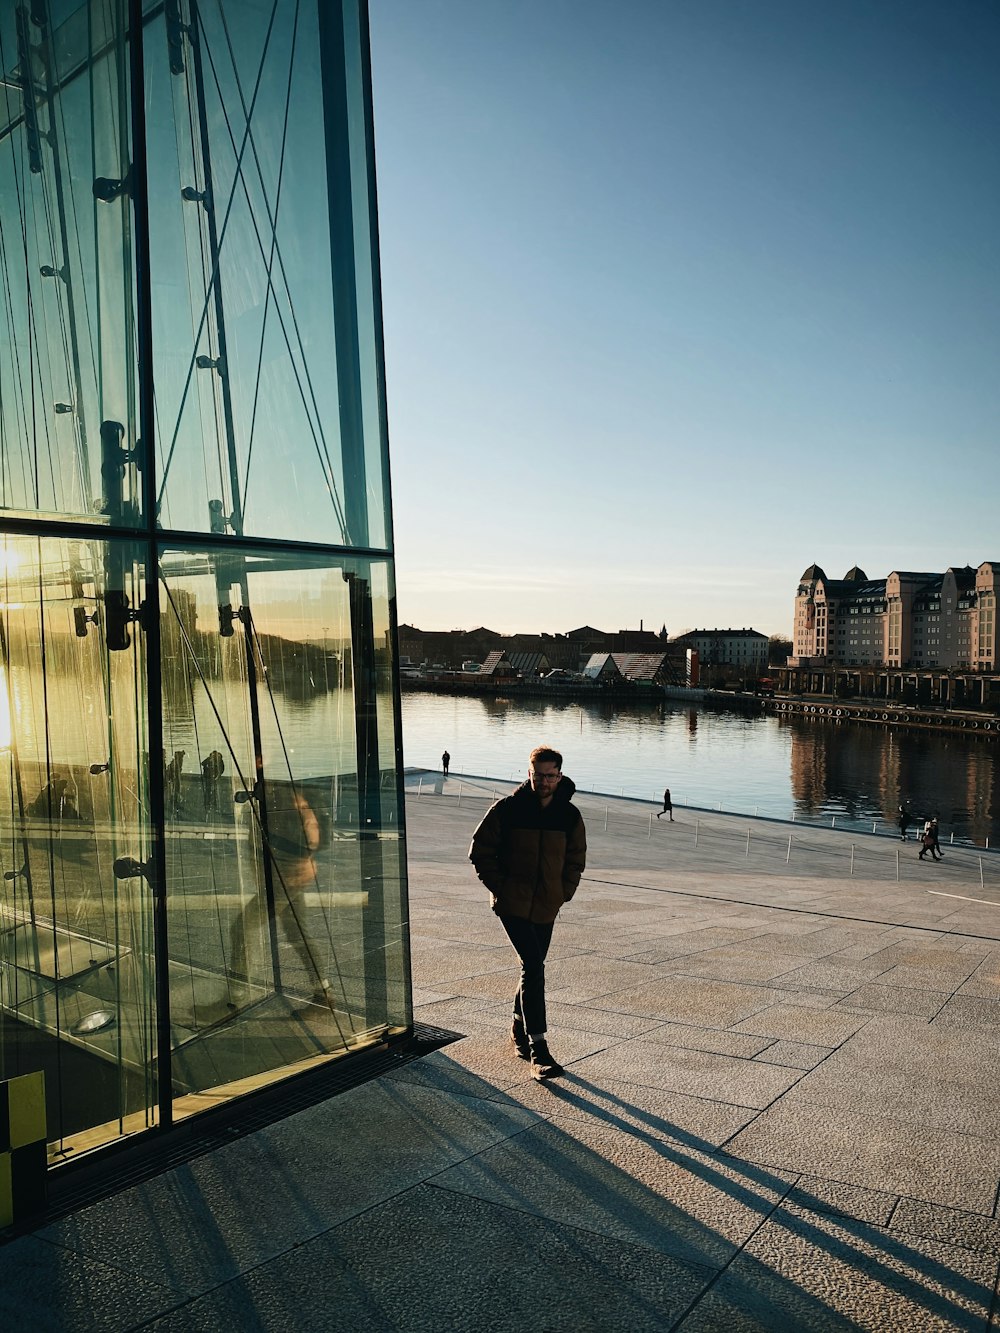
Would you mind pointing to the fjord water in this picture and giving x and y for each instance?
(779, 766)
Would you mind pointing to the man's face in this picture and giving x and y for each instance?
(544, 778)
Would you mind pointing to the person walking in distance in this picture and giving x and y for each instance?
(929, 842)
(445, 762)
(668, 806)
(904, 821)
(530, 851)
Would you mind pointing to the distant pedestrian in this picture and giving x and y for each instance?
(445, 762)
(936, 844)
(929, 841)
(904, 821)
(530, 851)
(668, 807)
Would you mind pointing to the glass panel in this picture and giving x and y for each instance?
(76, 964)
(67, 365)
(285, 867)
(265, 299)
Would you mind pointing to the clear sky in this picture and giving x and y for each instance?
(681, 296)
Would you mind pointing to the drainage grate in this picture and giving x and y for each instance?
(100, 1175)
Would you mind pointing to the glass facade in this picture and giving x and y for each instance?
(201, 823)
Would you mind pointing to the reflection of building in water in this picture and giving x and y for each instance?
(807, 763)
(163, 616)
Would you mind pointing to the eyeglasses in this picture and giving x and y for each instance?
(545, 777)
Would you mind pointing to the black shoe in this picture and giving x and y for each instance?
(542, 1063)
(519, 1040)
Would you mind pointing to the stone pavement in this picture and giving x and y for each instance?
(779, 1113)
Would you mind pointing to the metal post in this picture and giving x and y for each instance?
(748, 843)
(874, 825)
(788, 854)
(852, 858)
(420, 787)
(897, 865)
(605, 819)
(982, 883)
(833, 822)
(952, 838)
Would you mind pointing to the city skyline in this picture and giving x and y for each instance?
(682, 298)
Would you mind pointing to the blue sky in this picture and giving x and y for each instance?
(681, 296)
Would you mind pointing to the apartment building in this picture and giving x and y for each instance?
(910, 619)
(727, 647)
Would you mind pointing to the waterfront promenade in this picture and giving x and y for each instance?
(779, 1113)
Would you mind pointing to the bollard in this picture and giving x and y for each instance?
(982, 883)
(897, 865)
(833, 822)
(747, 853)
(793, 816)
(788, 854)
(952, 838)
(874, 826)
(420, 787)
(852, 858)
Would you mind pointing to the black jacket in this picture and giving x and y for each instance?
(529, 857)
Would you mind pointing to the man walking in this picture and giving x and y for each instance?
(530, 851)
(668, 806)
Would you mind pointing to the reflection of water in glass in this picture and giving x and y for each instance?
(4, 713)
(779, 766)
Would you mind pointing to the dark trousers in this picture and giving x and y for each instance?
(531, 943)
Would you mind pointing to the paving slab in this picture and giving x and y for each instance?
(808, 1273)
(47, 1288)
(602, 1178)
(202, 1223)
(446, 1251)
(877, 1152)
(698, 1073)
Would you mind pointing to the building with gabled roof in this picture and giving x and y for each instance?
(528, 664)
(602, 667)
(497, 664)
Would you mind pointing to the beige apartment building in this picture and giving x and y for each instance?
(910, 619)
(744, 648)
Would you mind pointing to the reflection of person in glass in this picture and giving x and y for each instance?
(212, 768)
(292, 840)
